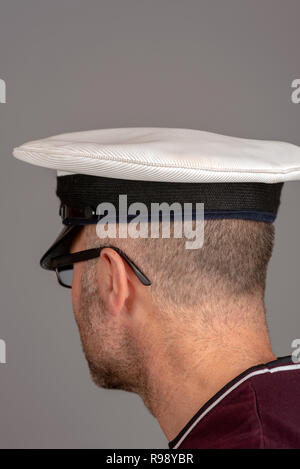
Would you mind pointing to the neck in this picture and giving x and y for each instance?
(182, 378)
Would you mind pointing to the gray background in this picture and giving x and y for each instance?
(69, 65)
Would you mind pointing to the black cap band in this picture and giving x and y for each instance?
(81, 194)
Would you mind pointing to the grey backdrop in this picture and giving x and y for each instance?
(69, 65)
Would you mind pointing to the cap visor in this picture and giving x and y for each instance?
(60, 246)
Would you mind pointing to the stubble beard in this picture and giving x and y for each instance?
(113, 359)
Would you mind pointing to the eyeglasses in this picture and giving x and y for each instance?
(63, 265)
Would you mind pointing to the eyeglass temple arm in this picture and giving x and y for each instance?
(141, 276)
(92, 254)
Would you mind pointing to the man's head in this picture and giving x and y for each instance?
(196, 297)
(203, 306)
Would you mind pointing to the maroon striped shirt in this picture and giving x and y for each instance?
(258, 409)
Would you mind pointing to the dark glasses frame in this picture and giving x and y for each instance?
(67, 260)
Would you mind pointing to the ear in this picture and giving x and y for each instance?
(113, 279)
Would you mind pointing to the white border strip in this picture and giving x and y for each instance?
(254, 373)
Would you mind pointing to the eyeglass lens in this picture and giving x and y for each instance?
(66, 275)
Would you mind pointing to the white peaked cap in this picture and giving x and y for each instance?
(165, 155)
(232, 177)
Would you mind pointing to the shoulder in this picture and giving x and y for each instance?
(258, 409)
(277, 401)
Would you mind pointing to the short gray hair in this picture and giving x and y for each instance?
(232, 262)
